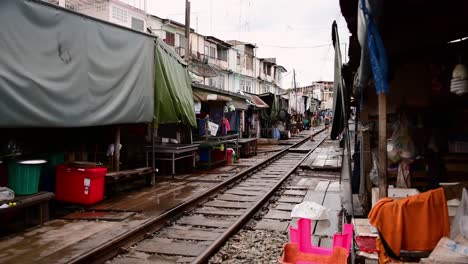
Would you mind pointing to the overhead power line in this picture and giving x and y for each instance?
(294, 47)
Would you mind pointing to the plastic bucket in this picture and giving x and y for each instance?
(47, 182)
(23, 176)
(230, 155)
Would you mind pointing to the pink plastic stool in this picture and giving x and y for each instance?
(302, 236)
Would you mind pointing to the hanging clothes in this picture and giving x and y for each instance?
(226, 124)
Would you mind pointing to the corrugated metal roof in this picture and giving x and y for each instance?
(259, 103)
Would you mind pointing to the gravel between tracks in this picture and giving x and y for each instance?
(252, 246)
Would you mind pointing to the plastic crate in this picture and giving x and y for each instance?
(79, 185)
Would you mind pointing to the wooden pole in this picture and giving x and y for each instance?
(382, 166)
(366, 158)
(117, 150)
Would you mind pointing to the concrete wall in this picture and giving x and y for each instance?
(122, 14)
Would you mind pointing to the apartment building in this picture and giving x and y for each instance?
(113, 11)
(227, 65)
(322, 91)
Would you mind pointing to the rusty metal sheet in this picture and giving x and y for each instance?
(199, 220)
(224, 204)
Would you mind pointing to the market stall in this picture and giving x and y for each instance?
(413, 115)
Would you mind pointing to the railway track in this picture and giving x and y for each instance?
(193, 231)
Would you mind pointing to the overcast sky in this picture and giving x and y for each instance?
(289, 30)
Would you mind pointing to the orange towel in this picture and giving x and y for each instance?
(415, 223)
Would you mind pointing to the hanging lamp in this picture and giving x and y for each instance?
(459, 82)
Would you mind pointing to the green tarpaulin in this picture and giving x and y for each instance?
(173, 100)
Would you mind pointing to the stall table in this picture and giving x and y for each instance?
(40, 202)
(173, 152)
(248, 147)
(212, 142)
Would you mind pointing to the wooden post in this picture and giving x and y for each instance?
(382, 166)
(153, 155)
(366, 159)
(117, 150)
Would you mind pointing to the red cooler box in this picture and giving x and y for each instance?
(79, 185)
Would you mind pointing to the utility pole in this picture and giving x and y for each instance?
(187, 31)
(295, 92)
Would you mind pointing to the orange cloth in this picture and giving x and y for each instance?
(415, 223)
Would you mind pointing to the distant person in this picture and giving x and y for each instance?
(327, 123)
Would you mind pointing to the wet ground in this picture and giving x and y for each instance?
(62, 240)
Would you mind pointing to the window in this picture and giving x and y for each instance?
(170, 39)
(238, 58)
(249, 62)
(138, 24)
(181, 40)
(248, 86)
(213, 52)
(221, 82)
(266, 88)
(242, 85)
(119, 14)
(213, 82)
(222, 54)
(268, 70)
(207, 51)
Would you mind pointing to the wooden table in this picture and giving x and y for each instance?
(112, 178)
(173, 152)
(39, 200)
(248, 147)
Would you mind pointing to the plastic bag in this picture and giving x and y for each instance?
(310, 210)
(6, 194)
(460, 221)
(401, 145)
(404, 177)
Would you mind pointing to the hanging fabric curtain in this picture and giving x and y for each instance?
(338, 89)
(377, 54)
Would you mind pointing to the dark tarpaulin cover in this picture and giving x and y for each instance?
(60, 69)
(173, 91)
(341, 97)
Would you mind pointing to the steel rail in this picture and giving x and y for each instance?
(114, 246)
(247, 216)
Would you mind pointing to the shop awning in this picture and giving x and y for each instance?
(173, 88)
(200, 96)
(240, 104)
(59, 69)
(259, 103)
